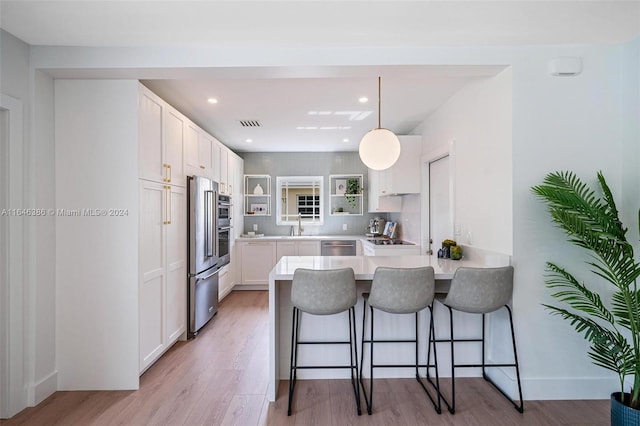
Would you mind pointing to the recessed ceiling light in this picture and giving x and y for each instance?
(249, 140)
(363, 100)
(345, 140)
(212, 100)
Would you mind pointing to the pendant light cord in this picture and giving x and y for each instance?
(379, 102)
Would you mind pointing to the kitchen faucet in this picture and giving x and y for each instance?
(300, 228)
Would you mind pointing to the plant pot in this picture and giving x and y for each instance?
(456, 252)
(621, 414)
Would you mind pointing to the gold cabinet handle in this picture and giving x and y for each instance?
(168, 206)
(165, 166)
(230, 189)
(202, 167)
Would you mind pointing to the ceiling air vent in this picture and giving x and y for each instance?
(249, 123)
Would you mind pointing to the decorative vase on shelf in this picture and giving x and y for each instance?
(258, 190)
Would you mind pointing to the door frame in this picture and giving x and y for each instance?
(13, 392)
(435, 154)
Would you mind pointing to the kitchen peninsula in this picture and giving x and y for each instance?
(331, 327)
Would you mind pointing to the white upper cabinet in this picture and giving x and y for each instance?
(205, 149)
(191, 153)
(224, 171)
(377, 203)
(198, 152)
(161, 139)
(174, 132)
(404, 176)
(216, 147)
(150, 135)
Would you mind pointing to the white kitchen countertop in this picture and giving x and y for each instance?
(365, 266)
(302, 238)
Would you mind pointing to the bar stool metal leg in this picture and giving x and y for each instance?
(295, 318)
(432, 341)
(371, 341)
(519, 407)
(353, 352)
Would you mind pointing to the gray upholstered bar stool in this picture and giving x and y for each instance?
(400, 291)
(481, 291)
(323, 292)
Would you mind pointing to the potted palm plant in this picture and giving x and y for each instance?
(612, 328)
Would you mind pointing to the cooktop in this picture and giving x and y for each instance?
(390, 242)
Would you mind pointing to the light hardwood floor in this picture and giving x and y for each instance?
(220, 378)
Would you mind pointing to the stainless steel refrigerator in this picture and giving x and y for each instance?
(202, 293)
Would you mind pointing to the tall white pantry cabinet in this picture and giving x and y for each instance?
(163, 226)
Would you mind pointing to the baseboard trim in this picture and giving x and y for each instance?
(554, 388)
(42, 389)
(251, 287)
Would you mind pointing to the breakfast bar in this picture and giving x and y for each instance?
(331, 327)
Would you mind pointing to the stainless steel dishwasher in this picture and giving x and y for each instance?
(338, 248)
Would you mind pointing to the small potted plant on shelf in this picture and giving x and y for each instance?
(353, 188)
(591, 222)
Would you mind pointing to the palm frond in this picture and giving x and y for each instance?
(626, 308)
(575, 294)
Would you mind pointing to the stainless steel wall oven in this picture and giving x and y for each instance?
(224, 229)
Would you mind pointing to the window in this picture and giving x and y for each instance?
(299, 196)
(309, 206)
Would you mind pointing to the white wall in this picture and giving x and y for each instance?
(41, 264)
(35, 189)
(478, 119)
(630, 121)
(561, 124)
(97, 257)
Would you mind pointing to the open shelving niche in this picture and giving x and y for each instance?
(256, 203)
(341, 203)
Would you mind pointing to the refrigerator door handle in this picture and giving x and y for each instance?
(215, 228)
(208, 276)
(209, 229)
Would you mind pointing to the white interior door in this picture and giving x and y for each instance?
(439, 203)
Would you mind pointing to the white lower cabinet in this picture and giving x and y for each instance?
(225, 281)
(258, 259)
(163, 263)
(297, 248)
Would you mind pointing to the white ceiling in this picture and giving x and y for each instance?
(282, 104)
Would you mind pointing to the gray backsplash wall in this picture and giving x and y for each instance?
(308, 164)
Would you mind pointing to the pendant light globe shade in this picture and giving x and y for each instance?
(379, 149)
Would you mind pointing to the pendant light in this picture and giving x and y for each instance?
(379, 148)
